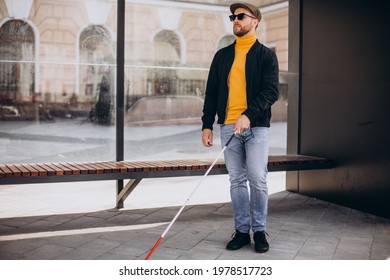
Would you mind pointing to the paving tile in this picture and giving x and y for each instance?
(187, 238)
(4, 229)
(137, 246)
(164, 253)
(276, 254)
(73, 241)
(79, 223)
(9, 256)
(40, 225)
(112, 256)
(382, 240)
(126, 219)
(379, 253)
(164, 215)
(120, 236)
(212, 222)
(245, 253)
(299, 227)
(312, 250)
(324, 237)
(225, 209)
(63, 218)
(104, 214)
(197, 212)
(101, 244)
(219, 235)
(286, 245)
(81, 253)
(46, 252)
(20, 247)
(355, 244)
(345, 254)
(21, 221)
(200, 254)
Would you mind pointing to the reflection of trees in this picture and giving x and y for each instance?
(16, 44)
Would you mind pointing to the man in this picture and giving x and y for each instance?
(242, 85)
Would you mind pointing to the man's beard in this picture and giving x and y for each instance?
(242, 31)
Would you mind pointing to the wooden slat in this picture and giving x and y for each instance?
(194, 165)
(159, 165)
(66, 170)
(141, 166)
(91, 169)
(106, 169)
(129, 166)
(152, 166)
(50, 171)
(205, 164)
(122, 166)
(138, 166)
(24, 170)
(81, 168)
(280, 162)
(184, 164)
(33, 172)
(111, 166)
(6, 171)
(97, 167)
(74, 170)
(41, 171)
(170, 165)
(15, 172)
(58, 171)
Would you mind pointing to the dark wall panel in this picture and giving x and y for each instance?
(345, 101)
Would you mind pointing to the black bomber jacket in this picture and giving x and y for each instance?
(262, 85)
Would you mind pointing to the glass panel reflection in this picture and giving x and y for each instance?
(169, 48)
(58, 77)
(57, 80)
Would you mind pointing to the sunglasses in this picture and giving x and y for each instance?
(240, 16)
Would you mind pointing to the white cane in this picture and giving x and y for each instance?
(188, 199)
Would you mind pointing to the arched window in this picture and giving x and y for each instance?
(17, 55)
(226, 41)
(95, 51)
(97, 75)
(167, 51)
(167, 48)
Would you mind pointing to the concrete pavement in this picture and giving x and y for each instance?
(299, 227)
(76, 220)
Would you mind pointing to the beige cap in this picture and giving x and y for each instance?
(253, 9)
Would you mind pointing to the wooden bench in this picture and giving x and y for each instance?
(138, 170)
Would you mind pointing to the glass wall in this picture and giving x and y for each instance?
(169, 48)
(57, 80)
(58, 77)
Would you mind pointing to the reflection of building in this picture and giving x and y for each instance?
(51, 50)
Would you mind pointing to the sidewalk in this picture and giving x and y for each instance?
(299, 227)
(76, 220)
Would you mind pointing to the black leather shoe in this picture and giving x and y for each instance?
(261, 244)
(239, 240)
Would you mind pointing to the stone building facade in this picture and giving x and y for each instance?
(64, 52)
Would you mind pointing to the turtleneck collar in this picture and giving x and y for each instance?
(246, 41)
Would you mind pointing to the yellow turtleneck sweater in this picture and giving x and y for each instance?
(236, 81)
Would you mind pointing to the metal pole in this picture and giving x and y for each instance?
(120, 89)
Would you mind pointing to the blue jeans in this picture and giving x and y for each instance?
(246, 160)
